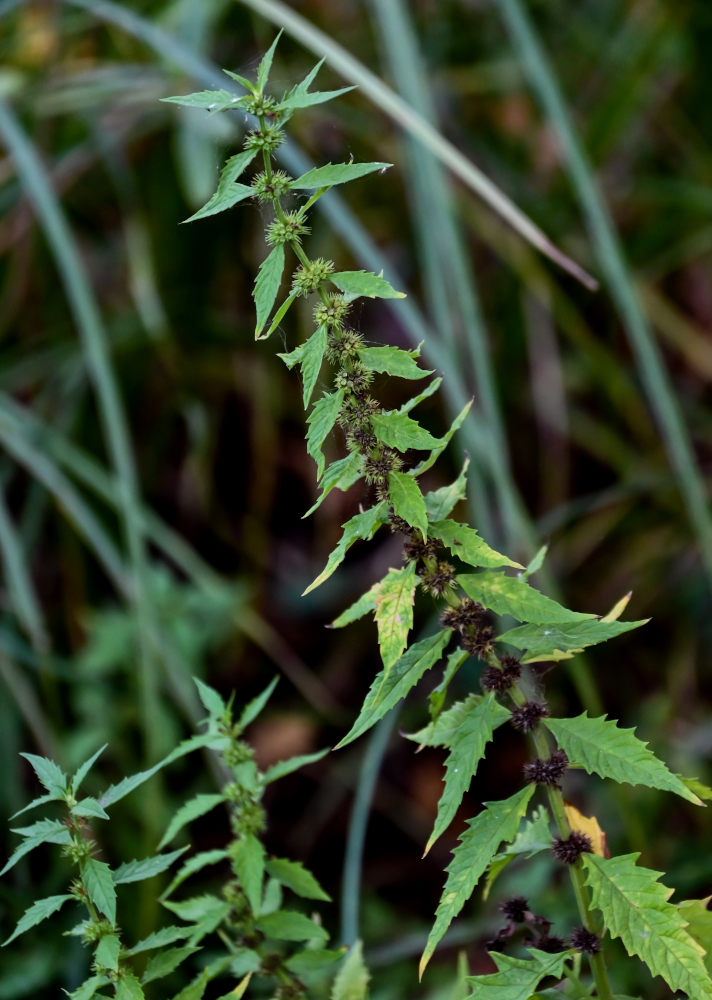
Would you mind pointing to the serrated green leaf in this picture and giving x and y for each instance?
(196, 989)
(436, 698)
(464, 542)
(289, 925)
(35, 914)
(517, 978)
(46, 831)
(398, 430)
(355, 284)
(99, 884)
(439, 503)
(335, 173)
(137, 871)
(394, 597)
(85, 768)
(697, 787)
(165, 962)
(88, 989)
(408, 501)
(228, 192)
(361, 607)
(635, 908)
(133, 781)
(534, 837)
(129, 988)
(393, 361)
(340, 475)
(89, 807)
(601, 747)
(498, 821)
(255, 707)
(50, 774)
(507, 595)
(296, 877)
(284, 767)
(190, 810)
(351, 982)
(442, 442)
(248, 859)
(267, 282)
(213, 704)
(209, 100)
(556, 641)
(320, 421)
(698, 918)
(312, 959)
(299, 96)
(159, 939)
(266, 64)
(107, 952)
(239, 990)
(361, 526)
(205, 910)
(443, 730)
(479, 721)
(245, 961)
(310, 356)
(195, 864)
(391, 685)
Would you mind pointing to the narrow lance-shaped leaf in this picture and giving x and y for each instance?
(190, 810)
(408, 501)
(48, 831)
(288, 925)
(279, 315)
(561, 641)
(266, 65)
(507, 595)
(340, 475)
(85, 768)
(393, 361)
(602, 748)
(391, 685)
(309, 355)
(464, 542)
(442, 442)
(466, 751)
(361, 526)
(248, 859)
(394, 599)
(517, 978)
(136, 871)
(441, 502)
(355, 284)
(498, 822)
(296, 877)
(269, 278)
(228, 192)
(635, 908)
(50, 774)
(320, 421)
(361, 607)
(209, 100)
(335, 173)
(35, 914)
(253, 708)
(300, 97)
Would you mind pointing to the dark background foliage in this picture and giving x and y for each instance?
(216, 425)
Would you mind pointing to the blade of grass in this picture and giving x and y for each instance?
(617, 274)
(19, 581)
(356, 837)
(406, 118)
(94, 341)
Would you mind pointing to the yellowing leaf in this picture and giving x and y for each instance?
(394, 597)
(618, 608)
(590, 826)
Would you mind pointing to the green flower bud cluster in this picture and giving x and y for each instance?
(308, 277)
(287, 229)
(268, 188)
(266, 139)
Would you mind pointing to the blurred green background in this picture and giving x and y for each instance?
(153, 472)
